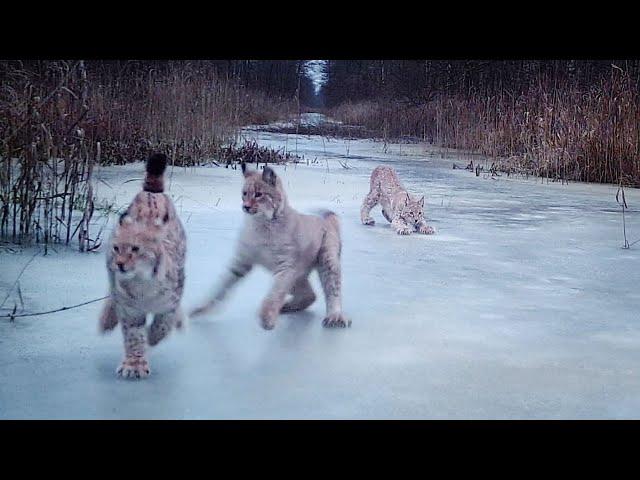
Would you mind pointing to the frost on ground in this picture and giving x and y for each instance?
(522, 305)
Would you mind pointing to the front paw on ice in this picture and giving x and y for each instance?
(336, 320)
(267, 323)
(427, 230)
(134, 367)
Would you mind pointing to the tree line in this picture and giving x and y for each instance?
(562, 119)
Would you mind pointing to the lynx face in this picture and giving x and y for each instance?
(261, 194)
(133, 254)
(413, 211)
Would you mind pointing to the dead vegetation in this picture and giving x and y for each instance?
(553, 126)
(60, 119)
(250, 152)
(326, 129)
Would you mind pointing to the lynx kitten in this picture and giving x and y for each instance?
(145, 263)
(405, 213)
(288, 244)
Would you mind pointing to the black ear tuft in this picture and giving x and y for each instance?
(156, 164)
(269, 176)
(123, 216)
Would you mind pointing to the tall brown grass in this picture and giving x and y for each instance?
(59, 118)
(585, 134)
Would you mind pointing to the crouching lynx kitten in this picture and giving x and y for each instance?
(405, 213)
(288, 244)
(145, 263)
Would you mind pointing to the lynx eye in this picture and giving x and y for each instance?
(135, 249)
(115, 248)
(258, 194)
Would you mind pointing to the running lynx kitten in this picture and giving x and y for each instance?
(405, 213)
(145, 262)
(288, 244)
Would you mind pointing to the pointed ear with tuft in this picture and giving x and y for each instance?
(421, 201)
(269, 176)
(125, 218)
(244, 168)
(406, 200)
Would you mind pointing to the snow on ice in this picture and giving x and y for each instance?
(522, 305)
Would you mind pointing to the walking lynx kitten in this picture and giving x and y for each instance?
(145, 262)
(405, 213)
(290, 245)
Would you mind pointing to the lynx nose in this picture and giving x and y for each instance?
(245, 208)
(121, 267)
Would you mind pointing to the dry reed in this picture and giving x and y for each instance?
(565, 132)
(58, 119)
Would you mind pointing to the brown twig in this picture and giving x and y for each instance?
(18, 278)
(13, 316)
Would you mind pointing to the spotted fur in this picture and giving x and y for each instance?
(145, 264)
(288, 244)
(405, 213)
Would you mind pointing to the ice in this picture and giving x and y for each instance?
(522, 305)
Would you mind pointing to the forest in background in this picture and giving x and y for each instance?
(561, 119)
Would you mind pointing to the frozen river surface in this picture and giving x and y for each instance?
(522, 305)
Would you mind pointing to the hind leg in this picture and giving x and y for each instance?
(135, 364)
(303, 296)
(283, 282)
(331, 279)
(162, 324)
(370, 201)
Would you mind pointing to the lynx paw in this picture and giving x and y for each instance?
(336, 320)
(403, 231)
(268, 323)
(369, 221)
(426, 229)
(134, 367)
(269, 314)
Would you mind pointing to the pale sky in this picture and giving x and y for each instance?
(315, 71)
